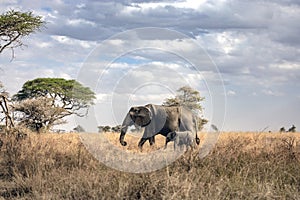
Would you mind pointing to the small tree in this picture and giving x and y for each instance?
(63, 97)
(39, 113)
(292, 129)
(14, 25)
(190, 98)
(116, 128)
(187, 97)
(106, 128)
(79, 129)
(282, 130)
(100, 129)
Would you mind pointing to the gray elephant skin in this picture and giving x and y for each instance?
(157, 119)
(180, 139)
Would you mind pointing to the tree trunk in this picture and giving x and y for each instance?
(9, 123)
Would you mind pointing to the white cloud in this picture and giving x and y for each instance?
(80, 22)
(272, 93)
(9, 1)
(254, 94)
(231, 93)
(81, 5)
(102, 97)
(44, 44)
(72, 42)
(146, 6)
(286, 65)
(118, 65)
(228, 41)
(153, 98)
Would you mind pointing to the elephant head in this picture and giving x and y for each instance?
(170, 137)
(140, 115)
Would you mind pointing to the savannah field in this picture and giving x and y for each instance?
(240, 166)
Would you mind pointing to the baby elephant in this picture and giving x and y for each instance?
(180, 139)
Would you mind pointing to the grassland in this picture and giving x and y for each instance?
(241, 166)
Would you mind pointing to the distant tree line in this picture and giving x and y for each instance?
(292, 129)
(107, 128)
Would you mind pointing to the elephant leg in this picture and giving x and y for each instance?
(152, 140)
(141, 142)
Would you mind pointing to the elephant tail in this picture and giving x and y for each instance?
(196, 130)
(197, 139)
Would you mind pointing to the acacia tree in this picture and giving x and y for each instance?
(62, 97)
(78, 129)
(187, 97)
(14, 25)
(38, 113)
(190, 98)
(116, 128)
(104, 129)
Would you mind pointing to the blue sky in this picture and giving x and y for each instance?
(243, 56)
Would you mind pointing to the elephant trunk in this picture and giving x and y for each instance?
(123, 132)
(127, 122)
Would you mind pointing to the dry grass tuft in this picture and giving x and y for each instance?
(241, 166)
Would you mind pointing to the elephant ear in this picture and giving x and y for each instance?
(173, 135)
(141, 115)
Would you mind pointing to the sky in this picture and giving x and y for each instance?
(243, 56)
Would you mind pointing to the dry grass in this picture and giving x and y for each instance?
(241, 166)
(132, 142)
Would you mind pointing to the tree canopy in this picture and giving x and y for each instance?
(38, 113)
(69, 94)
(14, 25)
(187, 97)
(78, 129)
(64, 97)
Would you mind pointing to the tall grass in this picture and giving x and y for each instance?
(241, 166)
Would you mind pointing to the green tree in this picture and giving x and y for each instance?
(187, 97)
(116, 128)
(106, 128)
(78, 129)
(38, 113)
(64, 97)
(190, 98)
(14, 25)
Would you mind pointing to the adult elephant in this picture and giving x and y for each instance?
(157, 119)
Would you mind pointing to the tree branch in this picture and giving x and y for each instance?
(9, 43)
